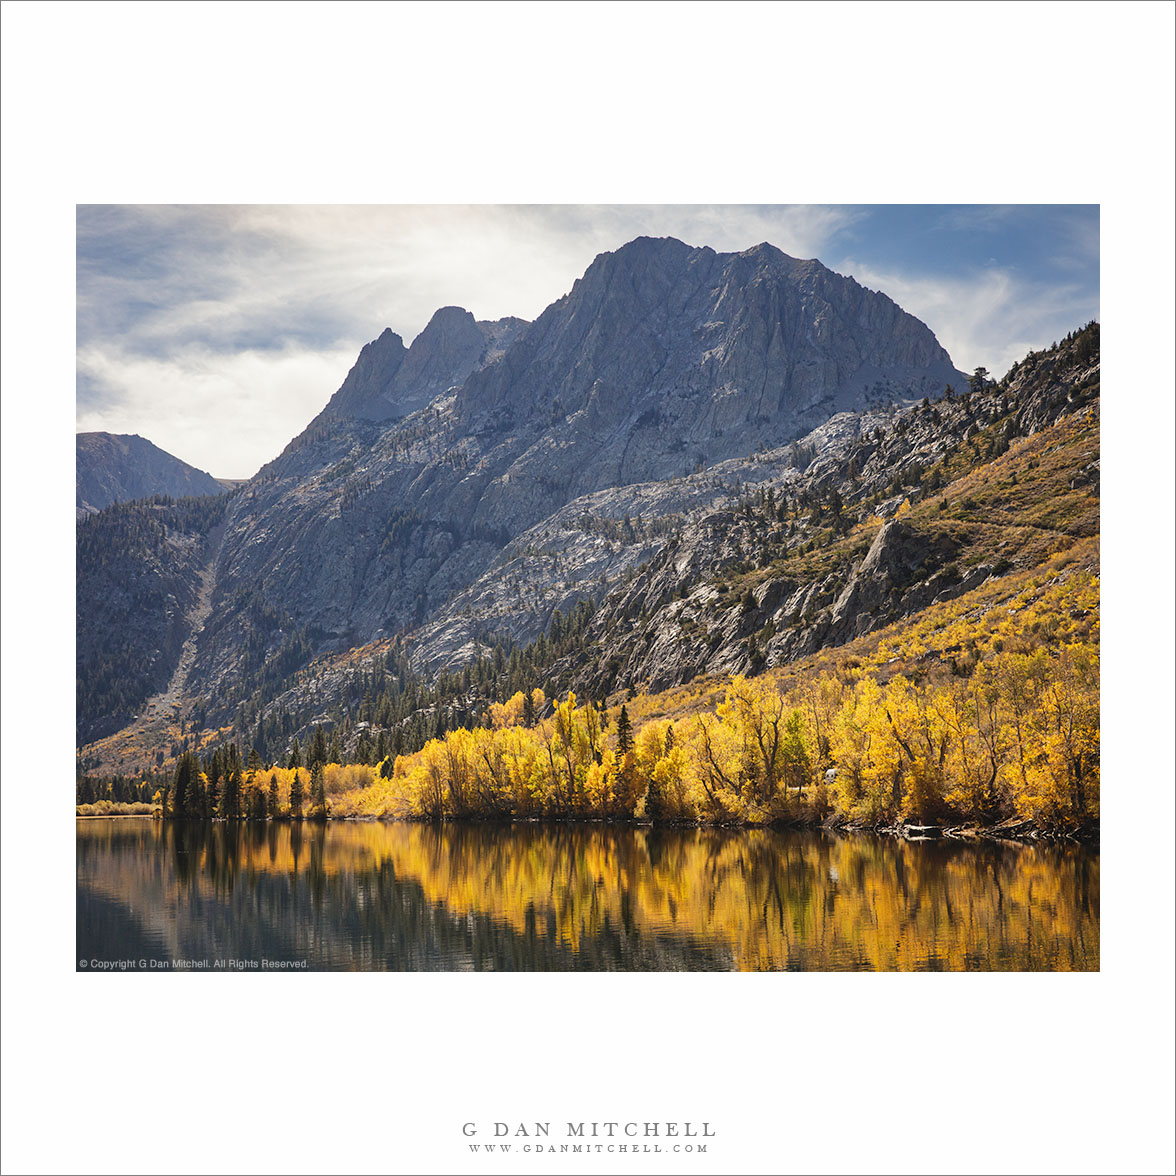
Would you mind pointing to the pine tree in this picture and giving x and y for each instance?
(318, 793)
(181, 786)
(653, 803)
(273, 805)
(231, 800)
(669, 740)
(295, 760)
(318, 748)
(256, 810)
(196, 801)
(296, 795)
(214, 770)
(528, 710)
(363, 750)
(624, 732)
(335, 751)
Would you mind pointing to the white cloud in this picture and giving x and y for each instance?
(226, 414)
(990, 318)
(221, 330)
(179, 306)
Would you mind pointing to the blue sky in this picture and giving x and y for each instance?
(218, 331)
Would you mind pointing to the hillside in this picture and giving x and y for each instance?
(661, 361)
(867, 524)
(115, 467)
(139, 575)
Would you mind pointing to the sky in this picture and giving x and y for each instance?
(219, 331)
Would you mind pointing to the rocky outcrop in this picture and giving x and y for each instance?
(118, 467)
(663, 359)
(390, 381)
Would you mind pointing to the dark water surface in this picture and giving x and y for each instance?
(410, 897)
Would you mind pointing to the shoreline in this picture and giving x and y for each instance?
(1014, 831)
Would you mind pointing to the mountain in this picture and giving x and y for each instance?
(141, 576)
(120, 467)
(390, 381)
(875, 520)
(662, 360)
(595, 491)
(664, 357)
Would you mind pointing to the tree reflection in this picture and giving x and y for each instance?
(366, 895)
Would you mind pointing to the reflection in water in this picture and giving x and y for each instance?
(422, 897)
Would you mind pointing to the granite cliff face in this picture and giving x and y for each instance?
(117, 467)
(390, 381)
(663, 360)
(655, 556)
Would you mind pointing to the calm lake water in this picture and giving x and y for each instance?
(542, 898)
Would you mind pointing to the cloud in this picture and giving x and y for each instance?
(199, 324)
(221, 330)
(216, 412)
(988, 318)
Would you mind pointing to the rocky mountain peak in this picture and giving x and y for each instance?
(120, 467)
(369, 391)
(443, 354)
(696, 356)
(389, 381)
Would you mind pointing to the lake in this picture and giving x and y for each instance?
(414, 897)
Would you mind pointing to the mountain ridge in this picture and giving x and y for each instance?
(550, 463)
(390, 381)
(121, 467)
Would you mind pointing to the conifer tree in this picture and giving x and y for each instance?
(295, 760)
(256, 809)
(653, 805)
(318, 749)
(214, 770)
(296, 795)
(624, 732)
(273, 806)
(363, 750)
(181, 787)
(196, 801)
(231, 800)
(318, 792)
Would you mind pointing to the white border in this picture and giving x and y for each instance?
(588, 103)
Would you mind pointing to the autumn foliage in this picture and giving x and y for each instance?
(975, 711)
